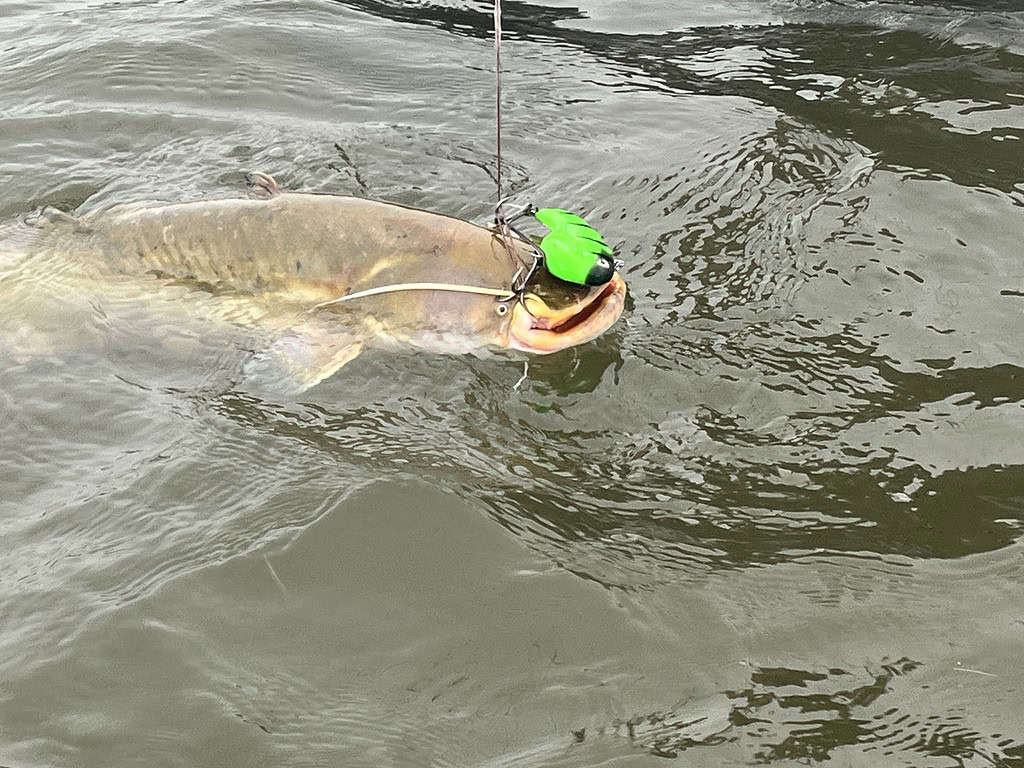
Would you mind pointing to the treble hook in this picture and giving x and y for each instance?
(518, 290)
(505, 229)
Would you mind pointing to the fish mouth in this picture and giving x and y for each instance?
(549, 330)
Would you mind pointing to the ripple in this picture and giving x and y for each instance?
(796, 714)
(812, 404)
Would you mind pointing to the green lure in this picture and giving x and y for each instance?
(573, 250)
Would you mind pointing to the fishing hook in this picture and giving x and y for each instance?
(504, 227)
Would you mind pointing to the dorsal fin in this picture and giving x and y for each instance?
(262, 186)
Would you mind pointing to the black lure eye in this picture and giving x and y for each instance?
(600, 273)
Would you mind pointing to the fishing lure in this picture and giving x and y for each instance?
(573, 250)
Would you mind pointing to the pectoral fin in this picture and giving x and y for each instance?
(299, 360)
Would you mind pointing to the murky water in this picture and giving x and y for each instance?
(773, 517)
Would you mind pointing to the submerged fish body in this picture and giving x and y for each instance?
(292, 254)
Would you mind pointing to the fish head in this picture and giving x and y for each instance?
(555, 315)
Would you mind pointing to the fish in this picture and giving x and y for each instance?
(289, 257)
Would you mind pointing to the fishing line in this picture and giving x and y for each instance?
(497, 69)
(501, 221)
(398, 287)
(499, 214)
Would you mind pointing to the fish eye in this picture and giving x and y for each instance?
(501, 309)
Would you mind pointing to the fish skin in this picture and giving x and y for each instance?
(287, 252)
(316, 240)
(294, 251)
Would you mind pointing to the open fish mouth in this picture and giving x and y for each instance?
(549, 330)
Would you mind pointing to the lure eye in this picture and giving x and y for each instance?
(501, 309)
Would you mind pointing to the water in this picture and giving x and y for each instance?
(773, 517)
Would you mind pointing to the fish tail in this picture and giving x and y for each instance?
(48, 217)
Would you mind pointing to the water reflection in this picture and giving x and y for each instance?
(857, 82)
(637, 509)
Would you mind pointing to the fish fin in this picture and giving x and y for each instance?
(299, 360)
(48, 216)
(261, 186)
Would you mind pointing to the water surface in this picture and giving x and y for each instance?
(772, 517)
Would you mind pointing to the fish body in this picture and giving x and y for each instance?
(291, 255)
